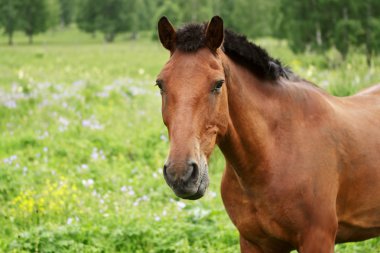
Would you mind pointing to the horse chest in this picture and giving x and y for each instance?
(252, 219)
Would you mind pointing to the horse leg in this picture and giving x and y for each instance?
(268, 247)
(248, 247)
(318, 241)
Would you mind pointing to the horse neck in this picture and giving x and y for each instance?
(260, 112)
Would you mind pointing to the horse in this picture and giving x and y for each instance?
(302, 166)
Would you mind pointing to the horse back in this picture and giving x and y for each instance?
(373, 90)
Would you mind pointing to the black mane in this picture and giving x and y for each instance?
(191, 37)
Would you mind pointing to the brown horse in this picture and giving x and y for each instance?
(302, 167)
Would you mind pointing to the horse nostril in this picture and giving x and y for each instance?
(192, 171)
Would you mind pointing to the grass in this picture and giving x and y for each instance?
(82, 145)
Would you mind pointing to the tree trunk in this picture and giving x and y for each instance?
(368, 41)
(194, 10)
(31, 39)
(109, 37)
(10, 39)
(134, 35)
(318, 31)
(345, 35)
(318, 34)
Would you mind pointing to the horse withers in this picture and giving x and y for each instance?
(302, 167)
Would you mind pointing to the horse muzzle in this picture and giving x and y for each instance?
(188, 180)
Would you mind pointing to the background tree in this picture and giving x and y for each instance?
(107, 16)
(9, 12)
(33, 17)
(87, 14)
(67, 11)
(53, 10)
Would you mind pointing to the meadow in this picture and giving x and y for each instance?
(82, 145)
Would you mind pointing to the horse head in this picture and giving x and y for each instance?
(194, 104)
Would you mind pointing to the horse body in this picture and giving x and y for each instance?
(311, 164)
(302, 167)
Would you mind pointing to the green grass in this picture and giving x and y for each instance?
(82, 143)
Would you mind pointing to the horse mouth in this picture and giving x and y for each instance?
(201, 189)
(198, 189)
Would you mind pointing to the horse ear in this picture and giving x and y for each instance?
(166, 32)
(214, 33)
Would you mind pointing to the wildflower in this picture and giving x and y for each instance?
(69, 221)
(157, 218)
(131, 192)
(92, 123)
(21, 74)
(10, 104)
(164, 138)
(95, 155)
(212, 194)
(180, 205)
(10, 160)
(64, 123)
(88, 183)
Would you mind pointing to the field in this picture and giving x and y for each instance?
(82, 145)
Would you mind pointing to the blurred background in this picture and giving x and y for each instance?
(308, 25)
(82, 141)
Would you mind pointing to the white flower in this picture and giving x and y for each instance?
(180, 205)
(69, 221)
(92, 123)
(212, 194)
(10, 104)
(88, 183)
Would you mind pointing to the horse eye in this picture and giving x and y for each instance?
(218, 86)
(159, 84)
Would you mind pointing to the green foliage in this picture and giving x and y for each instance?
(322, 24)
(109, 16)
(67, 11)
(348, 32)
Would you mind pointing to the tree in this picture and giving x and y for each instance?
(33, 17)
(106, 16)
(53, 11)
(87, 14)
(67, 9)
(9, 11)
